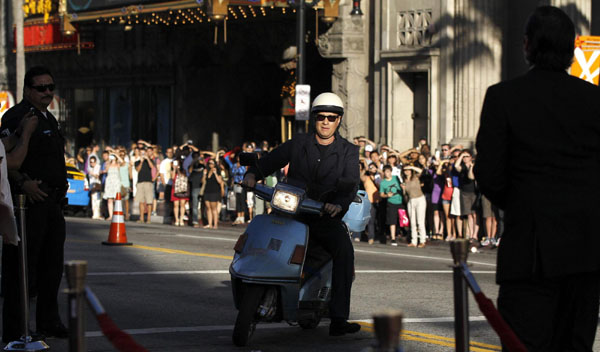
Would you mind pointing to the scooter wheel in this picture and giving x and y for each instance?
(245, 322)
(309, 323)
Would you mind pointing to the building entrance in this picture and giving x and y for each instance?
(410, 108)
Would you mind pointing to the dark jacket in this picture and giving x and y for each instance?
(308, 170)
(539, 159)
(45, 158)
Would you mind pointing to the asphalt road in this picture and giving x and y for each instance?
(171, 292)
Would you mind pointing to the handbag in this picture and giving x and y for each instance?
(181, 186)
(403, 218)
(231, 198)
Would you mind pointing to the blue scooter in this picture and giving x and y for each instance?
(273, 276)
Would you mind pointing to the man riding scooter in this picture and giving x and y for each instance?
(316, 162)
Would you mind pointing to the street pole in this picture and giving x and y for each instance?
(17, 7)
(300, 32)
(300, 65)
(3, 47)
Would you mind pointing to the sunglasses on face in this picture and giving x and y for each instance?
(42, 88)
(330, 118)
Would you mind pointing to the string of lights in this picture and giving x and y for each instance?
(196, 15)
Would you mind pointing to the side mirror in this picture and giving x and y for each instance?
(248, 159)
(345, 185)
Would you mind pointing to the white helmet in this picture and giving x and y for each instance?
(328, 102)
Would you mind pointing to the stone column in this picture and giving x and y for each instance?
(477, 61)
(347, 39)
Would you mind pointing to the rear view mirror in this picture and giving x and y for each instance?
(345, 185)
(248, 159)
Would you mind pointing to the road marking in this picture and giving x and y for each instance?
(434, 339)
(418, 272)
(367, 327)
(207, 238)
(418, 256)
(177, 251)
(209, 272)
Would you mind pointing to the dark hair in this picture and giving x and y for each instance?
(550, 37)
(34, 72)
(93, 158)
(387, 167)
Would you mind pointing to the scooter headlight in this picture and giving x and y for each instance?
(286, 201)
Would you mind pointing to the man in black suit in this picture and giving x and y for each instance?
(539, 160)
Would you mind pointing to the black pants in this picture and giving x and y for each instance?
(332, 235)
(552, 314)
(45, 255)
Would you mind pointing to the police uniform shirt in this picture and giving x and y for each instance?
(45, 156)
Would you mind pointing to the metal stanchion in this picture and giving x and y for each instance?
(26, 342)
(76, 271)
(387, 330)
(388, 326)
(460, 252)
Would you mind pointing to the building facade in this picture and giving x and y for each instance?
(406, 69)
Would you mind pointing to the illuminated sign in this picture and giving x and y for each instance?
(586, 64)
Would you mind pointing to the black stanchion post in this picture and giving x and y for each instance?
(460, 251)
(26, 342)
(76, 271)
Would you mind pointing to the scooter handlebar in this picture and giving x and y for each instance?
(310, 206)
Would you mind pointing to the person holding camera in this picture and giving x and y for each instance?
(145, 187)
(391, 189)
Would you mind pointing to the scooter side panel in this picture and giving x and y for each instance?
(318, 286)
(268, 249)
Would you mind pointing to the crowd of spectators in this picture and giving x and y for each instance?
(193, 187)
(423, 195)
(417, 195)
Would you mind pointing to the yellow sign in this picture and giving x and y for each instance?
(586, 64)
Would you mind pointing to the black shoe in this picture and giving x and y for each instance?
(57, 330)
(342, 328)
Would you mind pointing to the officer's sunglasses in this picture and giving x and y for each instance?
(43, 87)
(331, 118)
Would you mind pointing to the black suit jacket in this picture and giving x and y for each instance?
(539, 159)
(313, 172)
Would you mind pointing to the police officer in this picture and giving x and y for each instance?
(43, 178)
(316, 162)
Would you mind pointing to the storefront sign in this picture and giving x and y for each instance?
(88, 5)
(586, 64)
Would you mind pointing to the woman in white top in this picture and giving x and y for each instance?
(95, 187)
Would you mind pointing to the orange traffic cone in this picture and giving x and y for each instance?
(117, 236)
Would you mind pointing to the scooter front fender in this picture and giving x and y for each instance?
(268, 249)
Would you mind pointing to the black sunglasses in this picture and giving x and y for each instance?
(331, 118)
(43, 87)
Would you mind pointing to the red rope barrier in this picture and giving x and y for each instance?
(507, 336)
(122, 341)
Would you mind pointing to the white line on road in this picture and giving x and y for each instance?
(201, 272)
(207, 237)
(418, 256)
(356, 250)
(263, 326)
